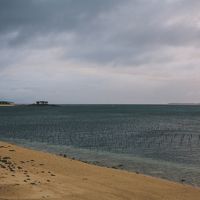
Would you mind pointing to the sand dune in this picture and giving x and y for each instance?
(28, 174)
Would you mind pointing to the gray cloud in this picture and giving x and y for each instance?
(32, 18)
(106, 31)
(98, 46)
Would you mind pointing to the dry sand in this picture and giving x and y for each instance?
(28, 174)
(8, 105)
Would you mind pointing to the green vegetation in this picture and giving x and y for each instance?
(6, 103)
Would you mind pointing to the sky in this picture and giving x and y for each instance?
(100, 51)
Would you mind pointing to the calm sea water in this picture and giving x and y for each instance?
(158, 140)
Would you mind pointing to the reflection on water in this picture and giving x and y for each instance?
(158, 140)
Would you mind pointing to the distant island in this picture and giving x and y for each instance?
(41, 103)
(6, 103)
(185, 104)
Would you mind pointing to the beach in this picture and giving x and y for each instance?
(30, 174)
(7, 105)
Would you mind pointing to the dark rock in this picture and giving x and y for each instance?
(6, 158)
(183, 180)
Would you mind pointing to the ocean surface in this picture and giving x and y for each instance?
(157, 140)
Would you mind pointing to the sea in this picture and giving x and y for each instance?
(156, 140)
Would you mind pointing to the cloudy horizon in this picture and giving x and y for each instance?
(91, 51)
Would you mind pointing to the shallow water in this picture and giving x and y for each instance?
(158, 140)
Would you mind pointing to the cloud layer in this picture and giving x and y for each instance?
(91, 51)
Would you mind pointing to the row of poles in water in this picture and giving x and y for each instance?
(112, 141)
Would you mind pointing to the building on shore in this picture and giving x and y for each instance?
(41, 102)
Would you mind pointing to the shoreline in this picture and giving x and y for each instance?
(166, 170)
(7, 105)
(30, 174)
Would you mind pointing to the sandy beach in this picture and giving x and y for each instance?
(29, 174)
(8, 105)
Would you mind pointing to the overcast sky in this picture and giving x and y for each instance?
(100, 51)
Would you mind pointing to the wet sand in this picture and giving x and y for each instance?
(28, 174)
